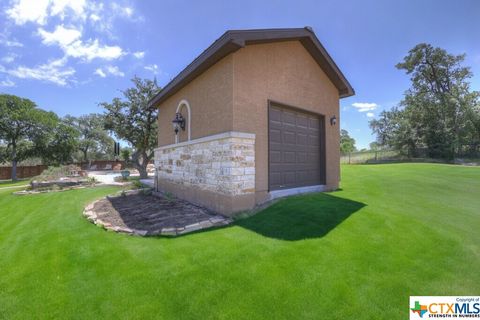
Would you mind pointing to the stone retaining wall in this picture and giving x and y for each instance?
(222, 163)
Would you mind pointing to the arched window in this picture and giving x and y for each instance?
(184, 103)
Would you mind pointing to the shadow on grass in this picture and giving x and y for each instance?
(302, 217)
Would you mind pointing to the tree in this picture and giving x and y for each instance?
(58, 145)
(133, 121)
(93, 141)
(125, 154)
(21, 125)
(394, 130)
(439, 100)
(3, 153)
(374, 146)
(438, 112)
(347, 143)
(472, 137)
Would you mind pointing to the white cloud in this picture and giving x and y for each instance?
(60, 7)
(29, 11)
(128, 11)
(9, 58)
(370, 114)
(109, 70)
(101, 19)
(139, 54)
(100, 73)
(364, 106)
(69, 41)
(113, 70)
(7, 83)
(54, 71)
(9, 42)
(38, 11)
(61, 36)
(121, 10)
(105, 15)
(152, 67)
(94, 17)
(65, 24)
(92, 49)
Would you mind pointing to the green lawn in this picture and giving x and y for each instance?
(393, 231)
(10, 183)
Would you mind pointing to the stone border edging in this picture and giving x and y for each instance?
(92, 217)
(28, 192)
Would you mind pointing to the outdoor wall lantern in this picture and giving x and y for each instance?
(178, 122)
(333, 120)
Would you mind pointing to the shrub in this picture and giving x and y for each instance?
(92, 180)
(137, 184)
(147, 192)
(169, 197)
(55, 173)
(118, 179)
(53, 179)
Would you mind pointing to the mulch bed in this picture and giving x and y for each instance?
(147, 214)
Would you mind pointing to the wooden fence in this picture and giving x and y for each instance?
(32, 171)
(22, 172)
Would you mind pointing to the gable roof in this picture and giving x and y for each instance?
(233, 40)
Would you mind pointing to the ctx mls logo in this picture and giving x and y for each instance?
(419, 308)
(422, 307)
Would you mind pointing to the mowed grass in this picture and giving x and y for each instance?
(359, 253)
(10, 183)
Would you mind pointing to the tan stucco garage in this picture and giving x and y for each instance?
(261, 115)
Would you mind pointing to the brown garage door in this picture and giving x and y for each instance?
(296, 148)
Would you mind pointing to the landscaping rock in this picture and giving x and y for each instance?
(169, 231)
(139, 214)
(140, 232)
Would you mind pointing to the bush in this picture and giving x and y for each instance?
(169, 197)
(52, 179)
(92, 180)
(147, 192)
(137, 184)
(56, 188)
(55, 173)
(119, 179)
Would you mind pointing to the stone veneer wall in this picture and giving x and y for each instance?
(223, 164)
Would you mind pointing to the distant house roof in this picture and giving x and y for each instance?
(233, 40)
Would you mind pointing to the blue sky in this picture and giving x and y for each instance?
(69, 55)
